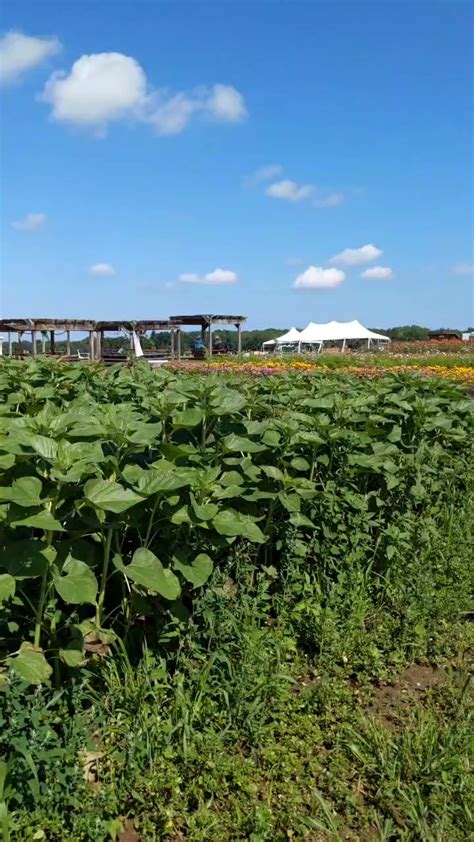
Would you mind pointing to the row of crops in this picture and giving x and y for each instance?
(122, 490)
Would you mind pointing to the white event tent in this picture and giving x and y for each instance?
(291, 337)
(318, 334)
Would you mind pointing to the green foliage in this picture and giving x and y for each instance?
(125, 487)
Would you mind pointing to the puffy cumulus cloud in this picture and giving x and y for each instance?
(378, 273)
(218, 276)
(356, 257)
(31, 222)
(315, 277)
(20, 53)
(289, 190)
(331, 201)
(263, 174)
(226, 103)
(105, 87)
(463, 269)
(99, 89)
(103, 269)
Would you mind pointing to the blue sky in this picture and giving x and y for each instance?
(254, 158)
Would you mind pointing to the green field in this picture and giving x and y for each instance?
(234, 608)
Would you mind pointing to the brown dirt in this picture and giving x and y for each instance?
(389, 700)
(128, 834)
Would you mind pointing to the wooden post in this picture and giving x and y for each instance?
(343, 346)
(101, 343)
(210, 339)
(33, 342)
(172, 343)
(239, 340)
(10, 346)
(98, 344)
(68, 343)
(91, 344)
(43, 342)
(178, 342)
(53, 342)
(20, 342)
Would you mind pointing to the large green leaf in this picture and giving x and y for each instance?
(30, 664)
(232, 523)
(78, 586)
(187, 418)
(198, 571)
(42, 520)
(233, 442)
(146, 569)
(7, 460)
(110, 496)
(155, 482)
(25, 492)
(7, 587)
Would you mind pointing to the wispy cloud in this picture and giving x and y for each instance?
(378, 273)
(357, 257)
(31, 222)
(218, 276)
(103, 269)
(20, 53)
(463, 269)
(263, 174)
(330, 201)
(289, 190)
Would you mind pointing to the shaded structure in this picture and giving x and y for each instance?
(44, 327)
(206, 321)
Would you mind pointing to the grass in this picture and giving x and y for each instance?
(351, 721)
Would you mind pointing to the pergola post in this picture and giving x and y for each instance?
(172, 343)
(68, 343)
(33, 342)
(91, 344)
(98, 344)
(178, 341)
(210, 339)
(52, 342)
(20, 342)
(239, 339)
(43, 342)
(10, 346)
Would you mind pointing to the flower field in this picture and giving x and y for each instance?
(453, 367)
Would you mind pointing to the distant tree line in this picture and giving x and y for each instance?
(252, 340)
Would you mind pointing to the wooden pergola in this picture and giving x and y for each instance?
(98, 329)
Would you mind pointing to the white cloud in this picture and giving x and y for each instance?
(226, 103)
(378, 273)
(104, 87)
(315, 277)
(330, 201)
(103, 269)
(289, 190)
(31, 222)
(356, 257)
(263, 174)
(463, 269)
(20, 53)
(218, 276)
(173, 115)
(100, 88)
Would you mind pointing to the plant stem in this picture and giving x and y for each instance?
(42, 596)
(103, 583)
